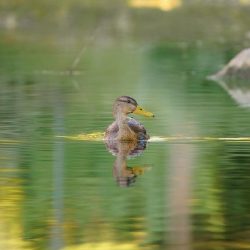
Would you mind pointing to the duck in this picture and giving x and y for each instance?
(126, 128)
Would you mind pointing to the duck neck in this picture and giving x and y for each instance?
(121, 119)
(124, 133)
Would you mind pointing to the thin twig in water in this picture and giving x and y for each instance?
(78, 57)
(82, 51)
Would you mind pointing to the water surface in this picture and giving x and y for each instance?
(187, 191)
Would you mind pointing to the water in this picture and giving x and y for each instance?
(188, 188)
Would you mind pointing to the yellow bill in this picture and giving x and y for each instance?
(140, 111)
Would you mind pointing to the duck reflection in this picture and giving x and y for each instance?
(126, 176)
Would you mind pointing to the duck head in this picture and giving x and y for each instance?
(126, 105)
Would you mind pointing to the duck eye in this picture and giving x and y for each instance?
(128, 101)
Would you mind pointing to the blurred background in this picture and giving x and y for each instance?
(62, 64)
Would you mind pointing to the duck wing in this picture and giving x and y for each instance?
(136, 126)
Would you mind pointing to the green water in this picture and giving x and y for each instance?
(59, 193)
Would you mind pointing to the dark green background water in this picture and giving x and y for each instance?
(62, 80)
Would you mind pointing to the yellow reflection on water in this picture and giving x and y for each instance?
(95, 136)
(99, 136)
(245, 1)
(10, 221)
(165, 5)
(104, 246)
(199, 139)
(7, 141)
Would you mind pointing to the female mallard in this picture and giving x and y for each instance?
(125, 128)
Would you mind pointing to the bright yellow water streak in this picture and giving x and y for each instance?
(195, 139)
(104, 246)
(7, 141)
(165, 5)
(99, 136)
(95, 136)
